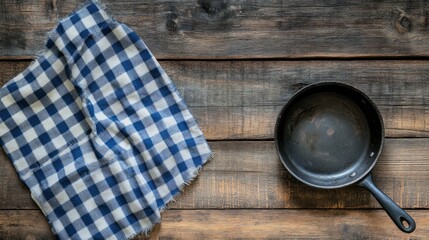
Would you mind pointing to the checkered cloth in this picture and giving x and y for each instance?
(97, 130)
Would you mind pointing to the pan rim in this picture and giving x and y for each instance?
(319, 84)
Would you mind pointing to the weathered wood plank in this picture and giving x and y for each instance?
(250, 175)
(285, 224)
(241, 99)
(206, 29)
(244, 224)
(223, 123)
(25, 224)
(9, 69)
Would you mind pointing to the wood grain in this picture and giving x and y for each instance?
(241, 99)
(244, 224)
(204, 29)
(285, 224)
(249, 175)
(20, 225)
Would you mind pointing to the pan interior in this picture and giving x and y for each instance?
(326, 138)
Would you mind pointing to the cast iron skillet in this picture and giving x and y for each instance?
(330, 135)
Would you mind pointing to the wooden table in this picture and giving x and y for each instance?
(236, 63)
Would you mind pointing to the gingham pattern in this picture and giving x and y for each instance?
(97, 130)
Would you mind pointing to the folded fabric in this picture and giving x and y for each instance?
(97, 131)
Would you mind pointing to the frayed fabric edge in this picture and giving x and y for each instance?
(182, 189)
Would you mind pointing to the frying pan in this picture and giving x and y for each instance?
(330, 135)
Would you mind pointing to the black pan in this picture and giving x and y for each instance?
(330, 135)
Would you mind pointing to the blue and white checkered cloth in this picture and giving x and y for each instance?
(97, 131)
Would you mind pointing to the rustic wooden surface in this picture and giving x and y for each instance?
(243, 224)
(236, 63)
(219, 29)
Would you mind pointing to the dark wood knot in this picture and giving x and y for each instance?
(405, 22)
(402, 22)
(172, 19)
(213, 8)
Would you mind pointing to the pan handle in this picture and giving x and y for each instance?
(396, 213)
